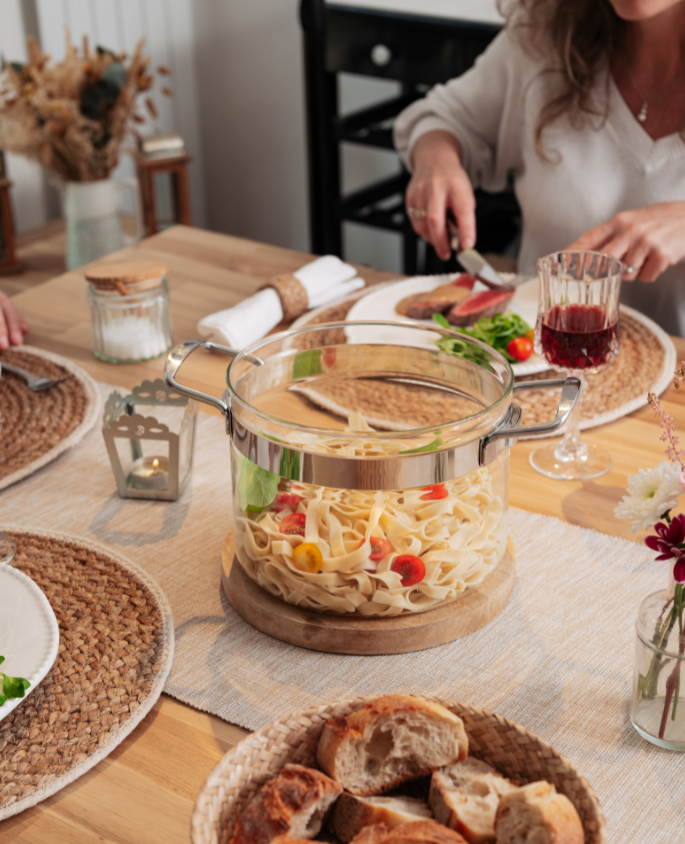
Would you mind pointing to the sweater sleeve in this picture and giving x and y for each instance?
(483, 108)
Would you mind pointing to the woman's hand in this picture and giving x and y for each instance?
(439, 184)
(647, 240)
(12, 326)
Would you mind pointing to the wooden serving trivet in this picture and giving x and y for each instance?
(38, 426)
(333, 633)
(645, 363)
(115, 652)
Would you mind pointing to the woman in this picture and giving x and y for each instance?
(585, 102)
(12, 326)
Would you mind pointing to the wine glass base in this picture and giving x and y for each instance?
(594, 462)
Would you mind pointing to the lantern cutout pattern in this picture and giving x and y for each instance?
(151, 456)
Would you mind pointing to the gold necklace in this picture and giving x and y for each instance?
(642, 114)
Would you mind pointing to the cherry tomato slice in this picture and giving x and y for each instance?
(285, 500)
(307, 558)
(379, 548)
(434, 493)
(530, 335)
(293, 524)
(520, 348)
(410, 568)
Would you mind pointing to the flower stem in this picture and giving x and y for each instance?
(673, 682)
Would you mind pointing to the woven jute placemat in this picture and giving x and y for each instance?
(513, 750)
(37, 427)
(115, 652)
(645, 363)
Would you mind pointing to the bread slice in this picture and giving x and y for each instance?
(351, 814)
(390, 740)
(465, 797)
(416, 832)
(294, 803)
(537, 813)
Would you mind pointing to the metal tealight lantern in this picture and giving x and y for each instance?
(151, 456)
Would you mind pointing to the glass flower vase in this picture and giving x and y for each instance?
(657, 709)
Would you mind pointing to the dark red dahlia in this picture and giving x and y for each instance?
(670, 543)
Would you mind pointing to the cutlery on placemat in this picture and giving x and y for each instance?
(475, 264)
(33, 382)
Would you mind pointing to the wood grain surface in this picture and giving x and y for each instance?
(144, 792)
(346, 634)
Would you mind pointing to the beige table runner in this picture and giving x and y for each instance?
(558, 659)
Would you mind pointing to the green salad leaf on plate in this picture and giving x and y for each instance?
(497, 331)
(12, 687)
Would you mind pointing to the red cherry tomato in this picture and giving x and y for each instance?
(520, 348)
(434, 493)
(293, 524)
(379, 548)
(410, 568)
(329, 356)
(285, 500)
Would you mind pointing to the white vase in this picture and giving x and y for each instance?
(92, 215)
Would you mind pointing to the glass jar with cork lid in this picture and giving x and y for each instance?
(130, 315)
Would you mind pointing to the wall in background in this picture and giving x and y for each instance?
(239, 104)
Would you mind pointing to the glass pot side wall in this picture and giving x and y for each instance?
(373, 553)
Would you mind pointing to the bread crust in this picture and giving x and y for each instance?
(270, 813)
(357, 725)
(415, 832)
(352, 813)
(556, 814)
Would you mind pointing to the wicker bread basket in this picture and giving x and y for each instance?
(510, 748)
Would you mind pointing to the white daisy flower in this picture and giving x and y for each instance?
(650, 494)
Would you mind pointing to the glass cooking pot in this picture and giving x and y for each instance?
(370, 468)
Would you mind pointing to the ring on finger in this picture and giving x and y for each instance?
(417, 213)
(630, 270)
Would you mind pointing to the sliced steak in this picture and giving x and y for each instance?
(437, 301)
(484, 304)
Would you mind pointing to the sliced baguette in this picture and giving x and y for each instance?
(294, 803)
(351, 814)
(416, 832)
(465, 797)
(537, 813)
(390, 740)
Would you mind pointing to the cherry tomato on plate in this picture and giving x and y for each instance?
(293, 524)
(285, 500)
(520, 348)
(434, 493)
(307, 558)
(379, 547)
(410, 568)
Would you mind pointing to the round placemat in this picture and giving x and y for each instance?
(38, 427)
(115, 652)
(645, 364)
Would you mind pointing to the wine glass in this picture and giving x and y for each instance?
(577, 330)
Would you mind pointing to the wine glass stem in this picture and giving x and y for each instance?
(571, 446)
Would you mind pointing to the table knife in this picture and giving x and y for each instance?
(473, 262)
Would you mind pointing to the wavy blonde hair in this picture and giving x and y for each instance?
(579, 37)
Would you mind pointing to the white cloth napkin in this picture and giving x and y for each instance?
(325, 279)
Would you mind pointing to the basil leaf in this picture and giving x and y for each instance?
(257, 487)
(13, 686)
(307, 363)
(424, 448)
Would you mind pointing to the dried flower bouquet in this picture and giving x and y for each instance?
(73, 116)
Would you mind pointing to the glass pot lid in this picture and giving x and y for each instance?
(369, 389)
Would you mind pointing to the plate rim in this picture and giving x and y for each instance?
(53, 646)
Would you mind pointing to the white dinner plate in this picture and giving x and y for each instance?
(380, 304)
(29, 633)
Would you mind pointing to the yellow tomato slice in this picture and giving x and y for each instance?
(530, 335)
(307, 558)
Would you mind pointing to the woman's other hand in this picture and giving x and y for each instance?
(440, 183)
(647, 240)
(12, 326)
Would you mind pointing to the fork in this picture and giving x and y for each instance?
(33, 382)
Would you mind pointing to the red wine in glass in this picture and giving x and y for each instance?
(578, 337)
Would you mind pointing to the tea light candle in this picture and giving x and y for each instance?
(150, 473)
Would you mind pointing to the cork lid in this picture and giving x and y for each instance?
(127, 276)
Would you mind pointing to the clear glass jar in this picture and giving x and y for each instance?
(657, 708)
(130, 319)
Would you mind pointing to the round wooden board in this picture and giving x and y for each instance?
(344, 635)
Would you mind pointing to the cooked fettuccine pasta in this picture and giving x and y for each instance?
(458, 535)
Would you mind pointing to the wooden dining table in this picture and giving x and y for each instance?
(143, 792)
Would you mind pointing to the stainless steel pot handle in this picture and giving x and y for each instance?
(178, 354)
(570, 391)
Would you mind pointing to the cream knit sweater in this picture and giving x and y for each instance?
(600, 166)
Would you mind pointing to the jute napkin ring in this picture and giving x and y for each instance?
(292, 293)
